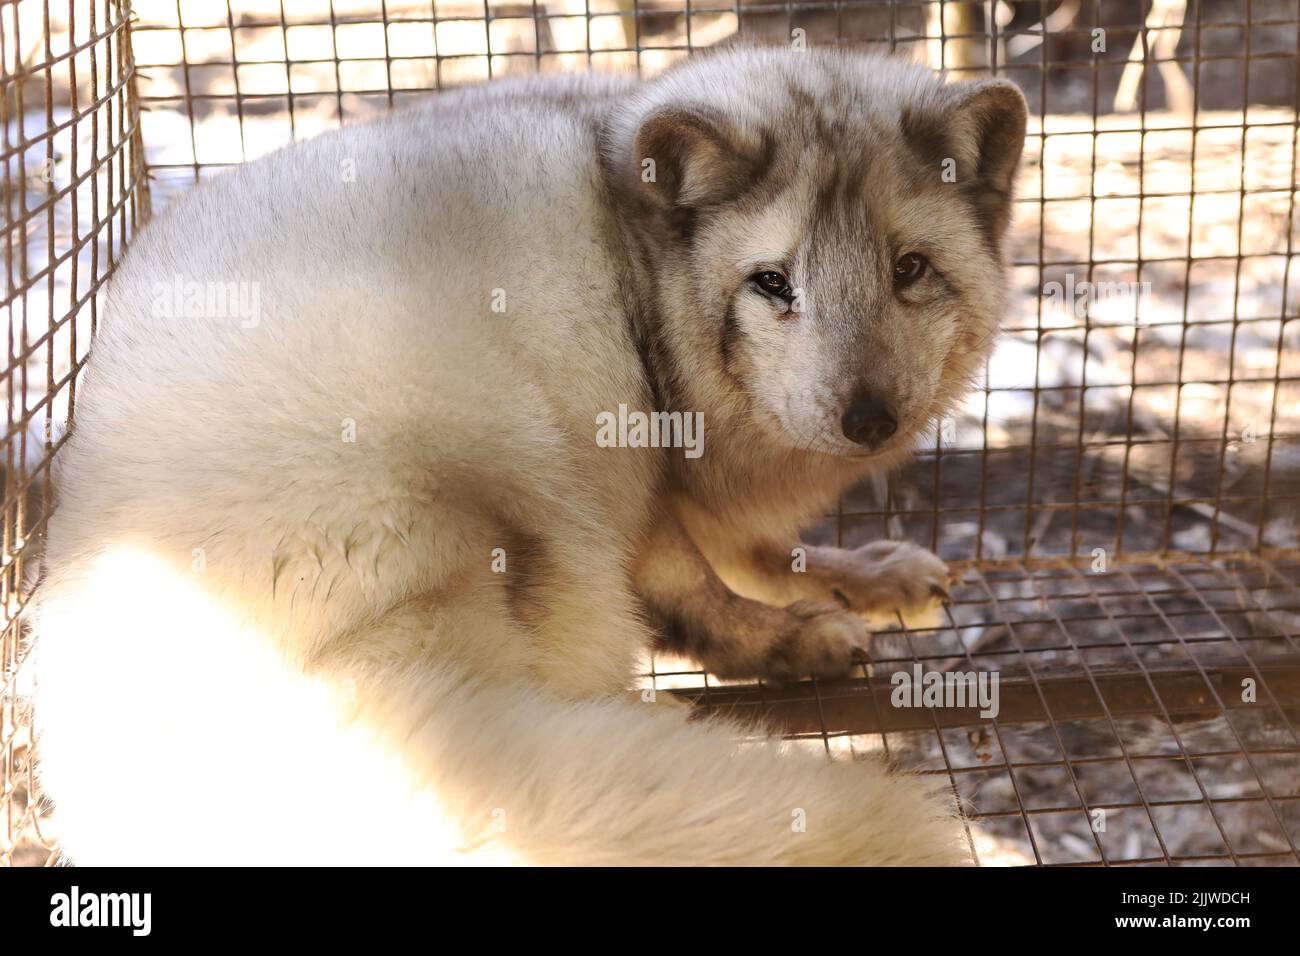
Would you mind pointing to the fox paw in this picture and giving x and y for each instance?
(819, 639)
(890, 576)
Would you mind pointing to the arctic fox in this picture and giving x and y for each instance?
(341, 570)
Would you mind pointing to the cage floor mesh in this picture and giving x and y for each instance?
(1147, 713)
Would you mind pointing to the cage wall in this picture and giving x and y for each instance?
(1121, 490)
(72, 199)
(1144, 396)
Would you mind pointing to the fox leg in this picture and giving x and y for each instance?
(734, 636)
(880, 576)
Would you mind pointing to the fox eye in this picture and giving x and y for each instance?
(909, 268)
(773, 283)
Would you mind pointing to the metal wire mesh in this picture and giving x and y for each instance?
(72, 176)
(1121, 736)
(1121, 491)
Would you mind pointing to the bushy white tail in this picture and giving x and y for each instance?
(169, 736)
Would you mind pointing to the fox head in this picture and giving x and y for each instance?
(823, 234)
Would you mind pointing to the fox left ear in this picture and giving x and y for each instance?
(988, 120)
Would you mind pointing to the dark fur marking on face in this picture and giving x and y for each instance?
(822, 131)
(855, 185)
(833, 198)
(657, 358)
(645, 350)
(641, 321)
(842, 198)
(670, 385)
(682, 220)
(730, 332)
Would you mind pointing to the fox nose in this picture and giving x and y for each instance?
(869, 421)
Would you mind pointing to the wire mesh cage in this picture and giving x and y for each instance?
(73, 194)
(1120, 492)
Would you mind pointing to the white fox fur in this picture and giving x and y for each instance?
(350, 580)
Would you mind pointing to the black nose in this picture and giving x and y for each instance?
(869, 421)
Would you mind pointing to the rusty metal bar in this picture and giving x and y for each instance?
(844, 707)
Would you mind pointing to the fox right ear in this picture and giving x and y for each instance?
(989, 119)
(687, 160)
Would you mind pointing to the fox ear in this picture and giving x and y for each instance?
(687, 160)
(988, 118)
